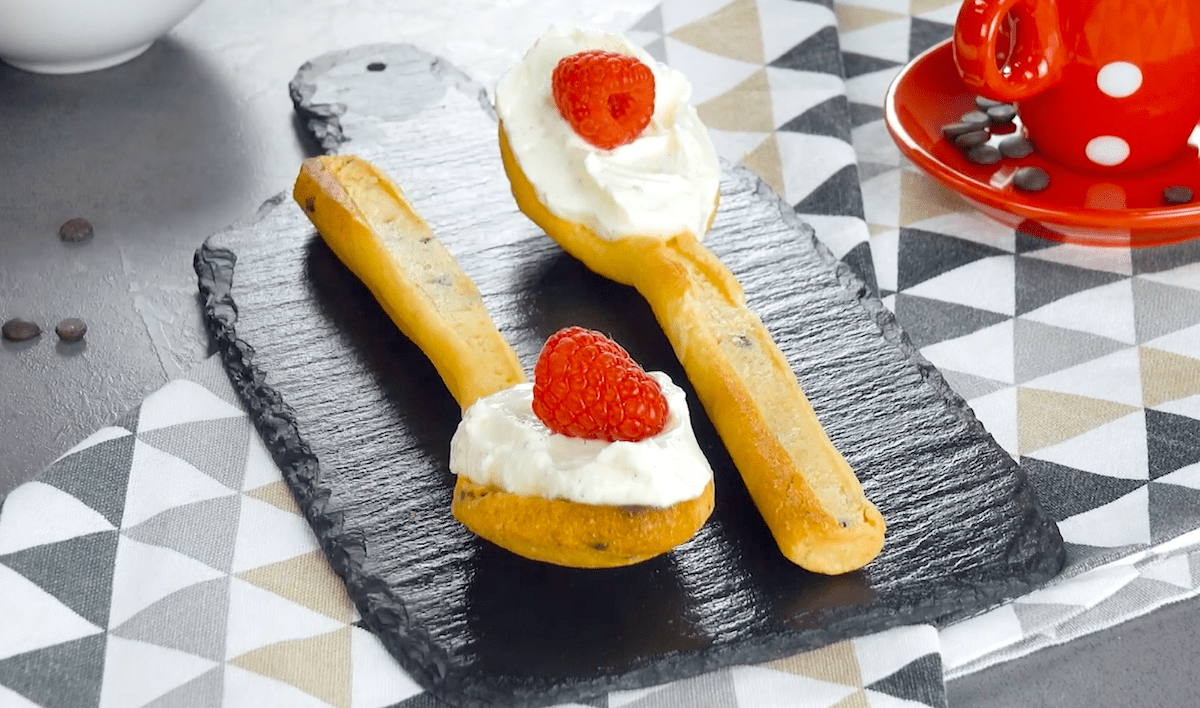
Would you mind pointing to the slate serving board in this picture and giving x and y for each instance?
(360, 424)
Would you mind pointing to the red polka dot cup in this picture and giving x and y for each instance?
(1106, 86)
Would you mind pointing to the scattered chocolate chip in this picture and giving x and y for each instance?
(71, 329)
(741, 340)
(969, 140)
(1016, 147)
(984, 103)
(1004, 113)
(75, 230)
(600, 546)
(979, 119)
(953, 130)
(1177, 195)
(1031, 179)
(310, 204)
(19, 330)
(983, 155)
(376, 66)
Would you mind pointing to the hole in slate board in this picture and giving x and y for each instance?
(376, 66)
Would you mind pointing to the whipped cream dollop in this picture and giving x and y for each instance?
(501, 442)
(662, 183)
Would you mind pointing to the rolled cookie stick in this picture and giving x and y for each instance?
(371, 227)
(802, 486)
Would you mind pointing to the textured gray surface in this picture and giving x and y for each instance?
(227, 68)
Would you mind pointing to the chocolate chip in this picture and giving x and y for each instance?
(75, 230)
(376, 66)
(71, 329)
(1031, 179)
(742, 340)
(19, 330)
(984, 103)
(979, 119)
(1177, 195)
(953, 130)
(983, 155)
(1004, 113)
(1016, 147)
(310, 204)
(966, 141)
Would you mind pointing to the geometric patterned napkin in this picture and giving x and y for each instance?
(1083, 363)
(162, 562)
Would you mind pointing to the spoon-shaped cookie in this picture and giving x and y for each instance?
(371, 227)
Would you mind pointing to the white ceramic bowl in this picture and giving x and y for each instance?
(73, 36)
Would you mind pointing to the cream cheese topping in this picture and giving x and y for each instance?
(501, 442)
(662, 183)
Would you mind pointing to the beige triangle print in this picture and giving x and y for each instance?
(278, 495)
(858, 699)
(1167, 376)
(836, 663)
(1046, 418)
(305, 580)
(744, 108)
(920, 7)
(923, 198)
(765, 162)
(319, 666)
(733, 31)
(853, 17)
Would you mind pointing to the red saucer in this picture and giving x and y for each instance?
(1080, 208)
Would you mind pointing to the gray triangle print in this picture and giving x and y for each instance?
(77, 572)
(66, 675)
(97, 476)
(207, 689)
(204, 530)
(217, 448)
(1034, 616)
(1041, 349)
(1162, 309)
(191, 620)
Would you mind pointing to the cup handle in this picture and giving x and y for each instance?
(1038, 51)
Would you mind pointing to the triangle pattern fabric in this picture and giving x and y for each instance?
(127, 682)
(1041, 282)
(35, 619)
(306, 580)
(915, 682)
(1162, 309)
(161, 409)
(97, 476)
(207, 689)
(1043, 349)
(1173, 510)
(1065, 491)
(830, 117)
(838, 195)
(319, 665)
(1167, 376)
(159, 481)
(191, 620)
(204, 530)
(1173, 442)
(35, 514)
(78, 572)
(216, 447)
(733, 31)
(924, 255)
(66, 675)
(928, 321)
(744, 108)
(818, 53)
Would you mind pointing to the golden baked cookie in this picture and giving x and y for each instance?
(803, 487)
(371, 227)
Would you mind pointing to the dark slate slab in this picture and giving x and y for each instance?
(360, 424)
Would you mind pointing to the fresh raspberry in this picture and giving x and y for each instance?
(608, 98)
(585, 385)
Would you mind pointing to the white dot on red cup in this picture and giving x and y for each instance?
(1119, 79)
(1107, 150)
